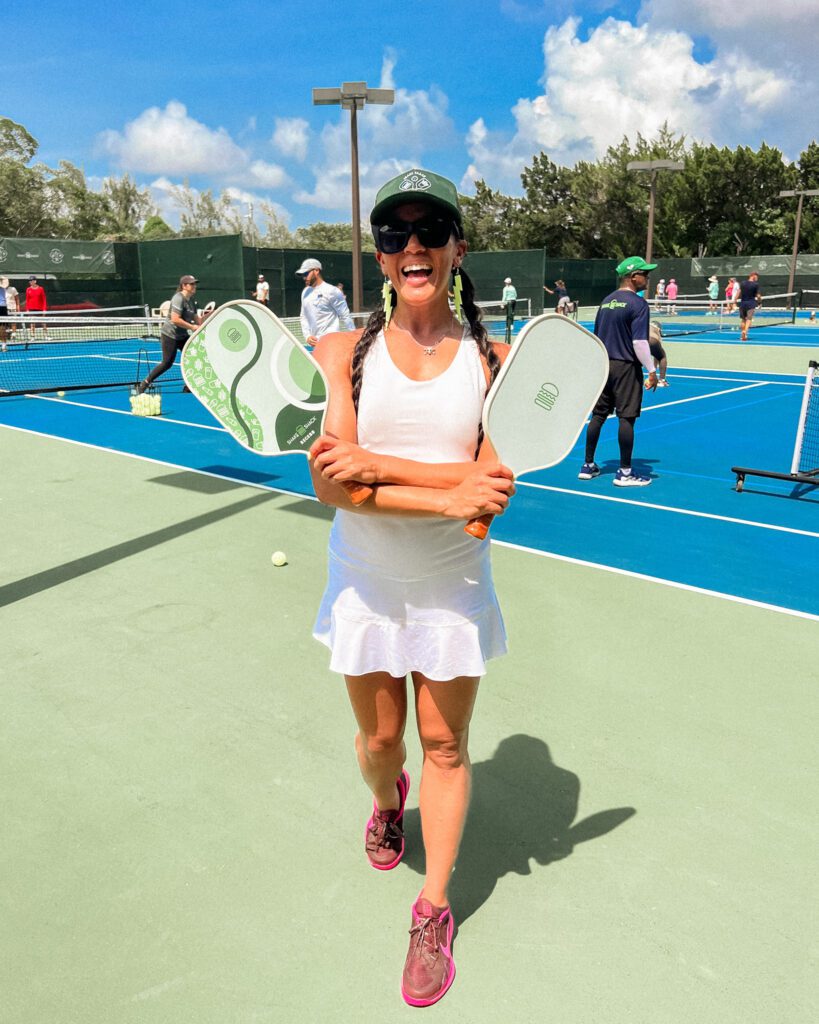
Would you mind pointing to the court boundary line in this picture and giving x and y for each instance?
(735, 598)
(669, 508)
(690, 587)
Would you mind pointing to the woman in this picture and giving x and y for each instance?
(409, 592)
(562, 293)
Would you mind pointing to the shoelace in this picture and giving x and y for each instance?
(385, 832)
(427, 930)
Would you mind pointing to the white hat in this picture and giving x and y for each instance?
(507, 280)
(713, 277)
(662, 280)
(309, 265)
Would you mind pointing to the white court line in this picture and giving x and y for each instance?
(666, 583)
(669, 508)
(501, 543)
(699, 398)
(124, 412)
(743, 380)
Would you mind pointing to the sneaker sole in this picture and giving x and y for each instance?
(394, 863)
(622, 483)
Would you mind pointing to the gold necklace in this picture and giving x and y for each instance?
(429, 350)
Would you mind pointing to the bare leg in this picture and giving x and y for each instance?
(443, 711)
(379, 703)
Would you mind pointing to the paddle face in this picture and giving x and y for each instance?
(544, 393)
(259, 382)
(542, 396)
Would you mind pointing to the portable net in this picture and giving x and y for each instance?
(685, 316)
(805, 462)
(67, 352)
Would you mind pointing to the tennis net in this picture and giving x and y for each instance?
(805, 461)
(683, 317)
(69, 352)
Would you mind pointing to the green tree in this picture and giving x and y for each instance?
(156, 229)
(276, 235)
(338, 237)
(127, 208)
(546, 218)
(809, 179)
(487, 217)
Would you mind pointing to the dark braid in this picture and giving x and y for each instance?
(363, 345)
(479, 333)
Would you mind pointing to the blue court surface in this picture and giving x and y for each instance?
(690, 528)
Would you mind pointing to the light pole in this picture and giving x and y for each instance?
(653, 166)
(352, 96)
(788, 194)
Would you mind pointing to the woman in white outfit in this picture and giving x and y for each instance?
(409, 592)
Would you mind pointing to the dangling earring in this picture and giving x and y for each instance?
(457, 296)
(386, 295)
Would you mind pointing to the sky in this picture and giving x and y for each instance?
(219, 94)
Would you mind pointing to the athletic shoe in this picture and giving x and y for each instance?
(663, 383)
(429, 968)
(631, 479)
(588, 470)
(384, 835)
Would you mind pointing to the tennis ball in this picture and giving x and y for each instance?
(60, 394)
(278, 558)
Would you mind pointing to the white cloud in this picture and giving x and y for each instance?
(624, 79)
(263, 175)
(291, 137)
(169, 141)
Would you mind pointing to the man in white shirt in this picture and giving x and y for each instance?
(262, 290)
(323, 306)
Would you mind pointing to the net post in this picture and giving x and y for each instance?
(803, 414)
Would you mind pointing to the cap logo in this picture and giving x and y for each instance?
(415, 181)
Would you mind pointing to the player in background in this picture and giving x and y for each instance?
(713, 295)
(658, 353)
(622, 324)
(410, 594)
(749, 299)
(323, 306)
(562, 293)
(509, 298)
(36, 302)
(262, 293)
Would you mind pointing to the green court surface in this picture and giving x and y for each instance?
(183, 819)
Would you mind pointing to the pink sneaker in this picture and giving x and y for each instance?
(429, 969)
(384, 835)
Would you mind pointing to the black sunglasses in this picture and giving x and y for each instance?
(432, 232)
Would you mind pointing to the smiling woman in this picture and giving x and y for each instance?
(409, 593)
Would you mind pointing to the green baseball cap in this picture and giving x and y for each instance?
(631, 264)
(416, 185)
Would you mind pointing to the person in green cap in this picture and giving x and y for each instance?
(622, 324)
(410, 594)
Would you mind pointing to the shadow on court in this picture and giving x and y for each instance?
(523, 809)
(59, 574)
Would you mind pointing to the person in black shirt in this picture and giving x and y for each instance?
(749, 299)
(622, 324)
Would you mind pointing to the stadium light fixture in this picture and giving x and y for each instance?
(352, 96)
(653, 166)
(789, 194)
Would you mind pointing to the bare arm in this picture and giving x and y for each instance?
(451, 490)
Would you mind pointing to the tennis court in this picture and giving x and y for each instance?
(184, 817)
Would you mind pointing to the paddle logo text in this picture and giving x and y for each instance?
(546, 397)
(304, 433)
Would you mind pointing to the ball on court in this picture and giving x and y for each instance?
(60, 394)
(278, 558)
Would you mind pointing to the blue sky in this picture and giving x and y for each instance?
(219, 94)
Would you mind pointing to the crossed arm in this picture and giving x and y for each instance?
(459, 490)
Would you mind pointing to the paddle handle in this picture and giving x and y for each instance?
(357, 493)
(479, 527)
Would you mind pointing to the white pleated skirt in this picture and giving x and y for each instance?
(445, 625)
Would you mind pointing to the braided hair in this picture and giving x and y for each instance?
(473, 314)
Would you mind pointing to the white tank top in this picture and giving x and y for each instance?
(426, 421)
